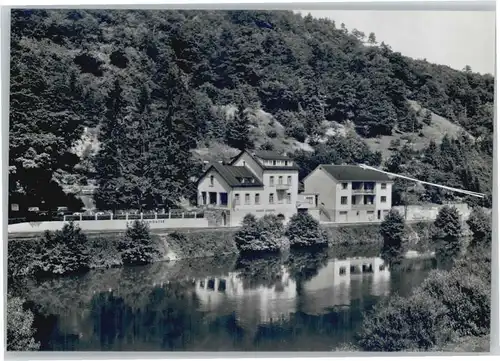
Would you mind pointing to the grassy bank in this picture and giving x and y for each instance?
(196, 243)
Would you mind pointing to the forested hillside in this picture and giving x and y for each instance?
(161, 88)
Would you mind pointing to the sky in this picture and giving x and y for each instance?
(453, 38)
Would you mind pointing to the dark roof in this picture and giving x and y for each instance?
(275, 156)
(269, 155)
(353, 173)
(233, 175)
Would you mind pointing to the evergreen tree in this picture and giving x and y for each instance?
(138, 174)
(174, 135)
(109, 161)
(137, 247)
(238, 132)
(372, 39)
(427, 117)
(392, 232)
(447, 234)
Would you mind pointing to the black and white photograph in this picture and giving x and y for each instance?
(249, 180)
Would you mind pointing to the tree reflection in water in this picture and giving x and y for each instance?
(303, 265)
(265, 270)
(295, 301)
(165, 316)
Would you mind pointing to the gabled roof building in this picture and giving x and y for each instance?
(350, 194)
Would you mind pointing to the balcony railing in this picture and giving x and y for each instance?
(363, 191)
(363, 206)
(282, 187)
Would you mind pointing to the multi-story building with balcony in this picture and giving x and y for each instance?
(350, 194)
(259, 183)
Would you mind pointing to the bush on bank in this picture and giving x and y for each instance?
(449, 306)
(406, 324)
(62, 252)
(20, 329)
(480, 225)
(137, 247)
(262, 235)
(447, 234)
(392, 230)
(305, 231)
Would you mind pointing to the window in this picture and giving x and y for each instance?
(383, 185)
(211, 181)
(343, 200)
(280, 180)
(271, 198)
(289, 180)
(271, 181)
(203, 198)
(274, 162)
(383, 199)
(310, 200)
(257, 198)
(369, 213)
(289, 198)
(342, 271)
(344, 185)
(244, 163)
(247, 198)
(236, 199)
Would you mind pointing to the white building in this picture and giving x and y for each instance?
(349, 194)
(260, 182)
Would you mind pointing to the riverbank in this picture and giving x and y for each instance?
(196, 243)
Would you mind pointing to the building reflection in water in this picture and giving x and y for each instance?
(252, 305)
(336, 284)
(342, 281)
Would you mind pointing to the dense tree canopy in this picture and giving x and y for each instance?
(158, 80)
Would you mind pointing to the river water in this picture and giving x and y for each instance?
(302, 301)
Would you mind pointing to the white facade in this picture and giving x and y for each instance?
(349, 201)
(277, 193)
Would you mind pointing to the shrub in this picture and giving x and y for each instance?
(395, 144)
(392, 230)
(447, 233)
(480, 225)
(62, 252)
(267, 146)
(427, 118)
(272, 133)
(466, 297)
(20, 329)
(304, 231)
(297, 131)
(406, 324)
(263, 235)
(138, 246)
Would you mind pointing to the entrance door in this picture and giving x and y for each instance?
(224, 219)
(378, 215)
